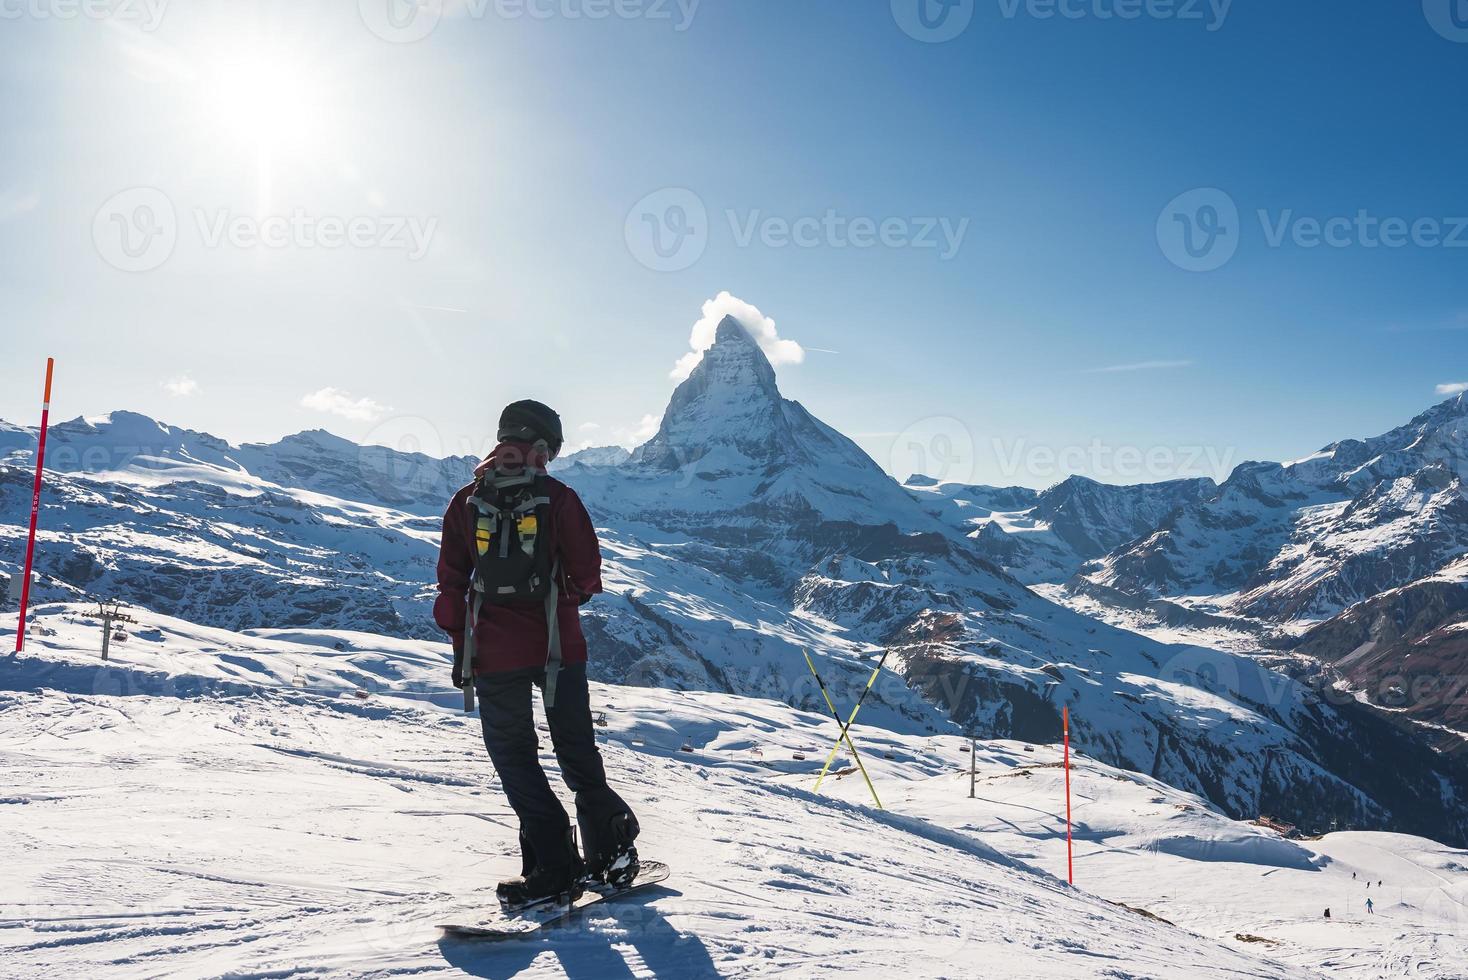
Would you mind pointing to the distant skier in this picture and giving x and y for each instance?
(1370, 907)
(518, 555)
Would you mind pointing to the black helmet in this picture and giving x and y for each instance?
(529, 421)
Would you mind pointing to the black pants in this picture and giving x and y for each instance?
(509, 734)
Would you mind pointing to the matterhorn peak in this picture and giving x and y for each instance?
(736, 443)
(730, 401)
(730, 329)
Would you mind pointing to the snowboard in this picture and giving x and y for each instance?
(512, 925)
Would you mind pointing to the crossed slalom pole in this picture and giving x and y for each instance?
(845, 734)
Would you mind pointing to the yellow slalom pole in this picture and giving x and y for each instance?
(845, 729)
(870, 681)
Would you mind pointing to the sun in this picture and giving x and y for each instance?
(264, 97)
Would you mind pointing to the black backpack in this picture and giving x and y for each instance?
(514, 562)
(514, 550)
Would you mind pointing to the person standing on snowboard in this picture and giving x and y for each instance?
(518, 556)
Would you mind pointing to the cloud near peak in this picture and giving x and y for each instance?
(778, 349)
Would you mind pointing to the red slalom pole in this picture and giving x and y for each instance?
(1070, 867)
(30, 546)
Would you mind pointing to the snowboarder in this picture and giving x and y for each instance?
(518, 555)
(1370, 907)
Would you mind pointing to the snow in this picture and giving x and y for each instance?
(214, 803)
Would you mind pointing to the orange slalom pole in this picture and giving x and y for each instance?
(1070, 868)
(30, 547)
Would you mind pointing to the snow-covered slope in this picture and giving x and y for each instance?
(303, 803)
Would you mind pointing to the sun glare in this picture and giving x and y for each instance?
(266, 99)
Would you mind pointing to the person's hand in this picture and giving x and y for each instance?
(458, 669)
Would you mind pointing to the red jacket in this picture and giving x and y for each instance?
(509, 637)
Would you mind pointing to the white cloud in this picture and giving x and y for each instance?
(760, 327)
(15, 202)
(1453, 388)
(334, 401)
(1139, 366)
(181, 386)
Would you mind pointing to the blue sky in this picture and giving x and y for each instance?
(501, 177)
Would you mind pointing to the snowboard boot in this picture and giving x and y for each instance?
(614, 863)
(558, 881)
(527, 865)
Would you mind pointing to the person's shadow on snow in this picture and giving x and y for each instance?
(584, 945)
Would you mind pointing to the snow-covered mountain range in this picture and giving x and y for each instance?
(744, 533)
(1352, 557)
(1046, 535)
